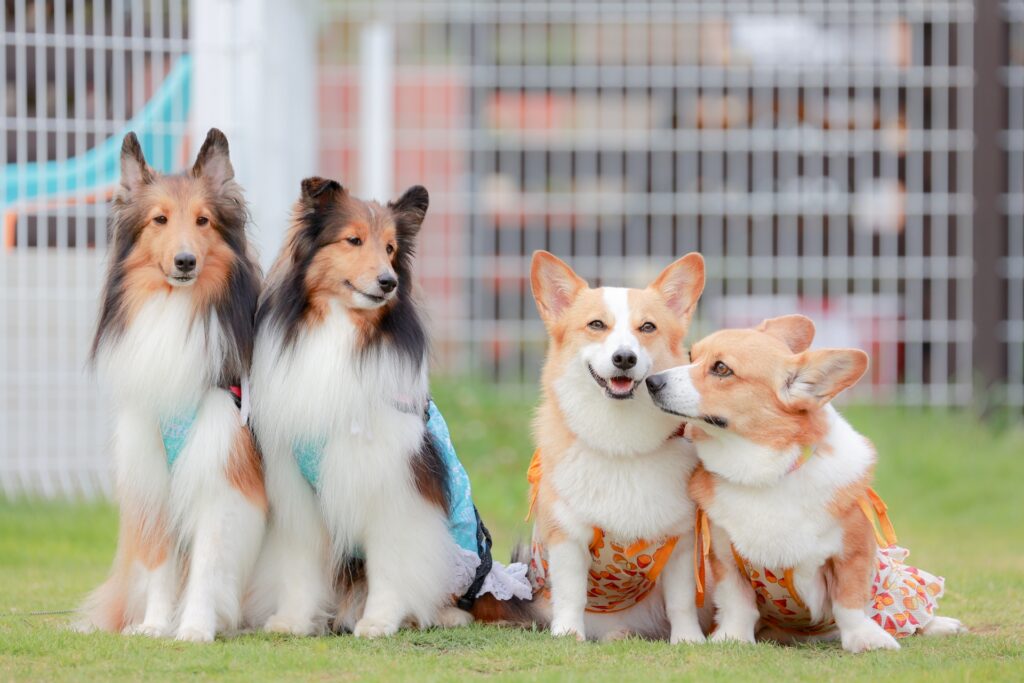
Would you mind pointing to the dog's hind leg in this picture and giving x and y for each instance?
(943, 626)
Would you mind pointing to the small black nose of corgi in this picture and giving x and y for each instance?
(656, 383)
(387, 282)
(185, 262)
(624, 359)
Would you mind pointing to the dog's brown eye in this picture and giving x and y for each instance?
(720, 369)
(596, 325)
(202, 220)
(160, 220)
(354, 241)
(648, 327)
(390, 250)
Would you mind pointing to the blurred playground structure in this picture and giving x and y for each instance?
(861, 162)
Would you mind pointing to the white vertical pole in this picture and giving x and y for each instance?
(376, 95)
(255, 77)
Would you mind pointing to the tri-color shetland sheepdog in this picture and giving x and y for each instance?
(175, 334)
(611, 554)
(799, 544)
(339, 388)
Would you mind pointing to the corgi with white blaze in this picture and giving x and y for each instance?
(609, 474)
(799, 545)
(173, 346)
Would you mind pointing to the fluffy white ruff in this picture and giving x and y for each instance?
(325, 387)
(165, 364)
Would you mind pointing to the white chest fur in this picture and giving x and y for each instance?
(325, 390)
(630, 497)
(166, 357)
(787, 523)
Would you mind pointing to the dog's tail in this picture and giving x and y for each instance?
(512, 612)
(106, 608)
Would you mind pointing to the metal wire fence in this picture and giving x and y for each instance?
(820, 154)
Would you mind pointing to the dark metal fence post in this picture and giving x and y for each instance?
(989, 299)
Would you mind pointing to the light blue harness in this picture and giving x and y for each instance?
(174, 431)
(462, 517)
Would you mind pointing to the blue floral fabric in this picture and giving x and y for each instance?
(462, 517)
(174, 431)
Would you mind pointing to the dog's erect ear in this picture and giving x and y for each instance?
(410, 209)
(813, 378)
(555, 285)
(213, 161)
(134, 171)
(795, 331)
(317, 191)
(681, 285)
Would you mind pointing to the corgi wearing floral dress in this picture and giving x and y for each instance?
(798, 543)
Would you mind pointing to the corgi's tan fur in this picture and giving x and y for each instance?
(757, 403)
(608, 459)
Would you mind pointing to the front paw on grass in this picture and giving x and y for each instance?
(868, 637)
(374, 628)
(190, 634)
(559, 630)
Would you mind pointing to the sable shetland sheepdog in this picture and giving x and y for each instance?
(175, 332)
(609, 475)
(785, 483)
(339, 388)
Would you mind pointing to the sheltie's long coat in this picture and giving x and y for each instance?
(340, 369)
(175, 332)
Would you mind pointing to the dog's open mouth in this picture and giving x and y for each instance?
(620, 387)
(182, 279)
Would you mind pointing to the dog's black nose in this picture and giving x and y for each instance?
(185, 262)
(387, 282)
(656, 383)
(624, 359)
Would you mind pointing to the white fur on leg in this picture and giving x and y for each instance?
(568, 566)
(943, 626)
(409, 554)
(680, 599)
(161, 586)
(292, 589)
(859, 633)
(736, 606)
(225, 528)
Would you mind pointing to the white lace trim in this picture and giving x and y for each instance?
(502, 582)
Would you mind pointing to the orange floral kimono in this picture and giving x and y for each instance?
(621, 574)
(903, 598)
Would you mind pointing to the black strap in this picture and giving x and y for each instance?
(483, 549)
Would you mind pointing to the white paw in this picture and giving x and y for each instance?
(688, 634)
(148, 630)
(192, 634)
(565, 628)
(280, 623)
(944, 626)
(453, 617)
(869, 636)
(374, 628)
(726, 634)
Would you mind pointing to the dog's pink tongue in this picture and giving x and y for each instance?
(621, 385)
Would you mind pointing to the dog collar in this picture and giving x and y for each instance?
(806, 452)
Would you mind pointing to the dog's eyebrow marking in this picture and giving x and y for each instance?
(716, 421)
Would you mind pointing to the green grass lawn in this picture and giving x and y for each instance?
(952, 485)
